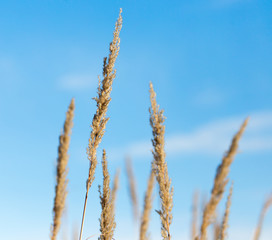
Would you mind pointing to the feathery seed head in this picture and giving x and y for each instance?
(220, 182)
(159, 165)
(61, 180)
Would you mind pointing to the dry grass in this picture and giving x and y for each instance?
(266, 206)
(107, 222)
(220, 182)
(224, 225)
(159, 171)
(115, 186)
(147, 208)
(160, 166)
(132, 188)
(216, 228)
(60, 189)
(102, 101)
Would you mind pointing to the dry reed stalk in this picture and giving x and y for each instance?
(216, 229)
(194, 228)
(159, 165)
(147, 207)
(266, 206)
(61, 181)
(224, 225)
(115, 186)
(107, 222)
(220, 182)
(102, 101)
(115, 189)
(132, 188)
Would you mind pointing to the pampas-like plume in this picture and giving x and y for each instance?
(224, 225)
(216, 228)
(159, 165)
(115, 186)
(132, 188)
(194, 222)
(60, 189)
(107, 223)
(147, 207)
(220, 182)
(102, 101)
(266, 206)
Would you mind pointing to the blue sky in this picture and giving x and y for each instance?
(210, 63)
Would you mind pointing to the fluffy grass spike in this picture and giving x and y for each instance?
(224, 225)
(102, 101)
(159, 165)
(220, 182)
(266, 206)
(107, 222)
(115, 186)
(61, 178)
(147, 208)
(132, 188)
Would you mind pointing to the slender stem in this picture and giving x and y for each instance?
(83, 215)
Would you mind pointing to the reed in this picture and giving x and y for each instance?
(132, 188)
(224, 225)
(220, 182)
(102, 101)
(107, 222)
(145, 219)
(159, 165)
(216, 228)
(115, 186)
(266, 206)
(62, 170)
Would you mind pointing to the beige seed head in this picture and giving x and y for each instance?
(159, 165)
(115, 186)
(224, 225)
(147, 208)
(107, 222)
(61, 180)
(220, 182)
(102, 100)
(132, 188)
(266, 206)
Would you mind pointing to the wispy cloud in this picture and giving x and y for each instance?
(77, 82)
(211, 138)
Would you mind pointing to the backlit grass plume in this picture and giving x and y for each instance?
(224, 225)
(107, 223)
(147, 208)
(159, 165)
(266, 206)
(61, 180)
(220, 182)
(115, 186)
(216, 228)
(132, 188)
(102, 101)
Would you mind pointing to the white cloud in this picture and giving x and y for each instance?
(77, 82)
(211, 138)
